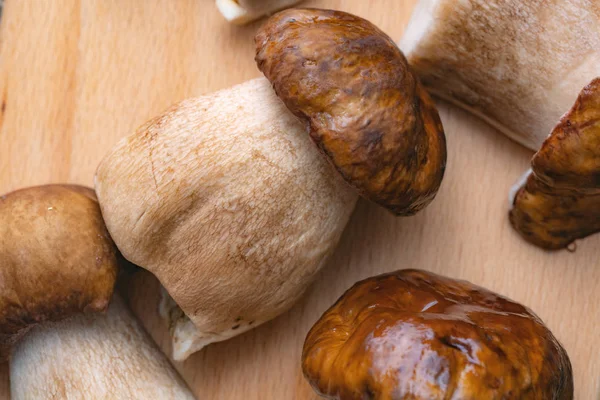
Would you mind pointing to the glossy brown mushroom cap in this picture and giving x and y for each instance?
(364, 107)
(560, 201)
(416, 335)
(56, 258)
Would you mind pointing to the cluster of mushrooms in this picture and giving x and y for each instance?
(275, 175)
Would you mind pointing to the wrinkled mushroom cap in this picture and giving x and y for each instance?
(560, 200)
(364, 107)
(56, 258)
(416, 335)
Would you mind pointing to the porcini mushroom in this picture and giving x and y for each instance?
(517, 64)
(413, 334)
(241, 12)
(56, 258)
(107, 356)
(57, 261)
(226, 200)
(559, 201)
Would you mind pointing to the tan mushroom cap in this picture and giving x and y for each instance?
(56, 258)
(416, 335)
(364, 107)
(560, 201)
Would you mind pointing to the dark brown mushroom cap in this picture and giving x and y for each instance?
(56, 258)
(416, 335)
(560, 201)
(365, 108)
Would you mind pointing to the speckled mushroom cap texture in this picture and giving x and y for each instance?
(416, 335)
(56, 258)
(560, 200)
(364, 107)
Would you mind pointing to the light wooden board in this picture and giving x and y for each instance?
(75, 76)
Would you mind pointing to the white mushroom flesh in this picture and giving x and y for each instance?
(97, 356)
(517, 64)
(229, 203)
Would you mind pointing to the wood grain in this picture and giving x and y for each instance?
(77, 75)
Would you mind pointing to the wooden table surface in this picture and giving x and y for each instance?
(77, 75)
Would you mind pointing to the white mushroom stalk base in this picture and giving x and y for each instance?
(101, 356)
(186, 338)
(514, 189)
(241, 12)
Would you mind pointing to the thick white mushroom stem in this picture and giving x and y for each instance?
(517, 64)
(101, 356)
(229, 203)
(241, 12)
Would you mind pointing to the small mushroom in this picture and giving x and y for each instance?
(56, 258)
(226, 200)
(518, 64)
(57, 262)
(241, 12)
(416, 335)
(559, 201)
